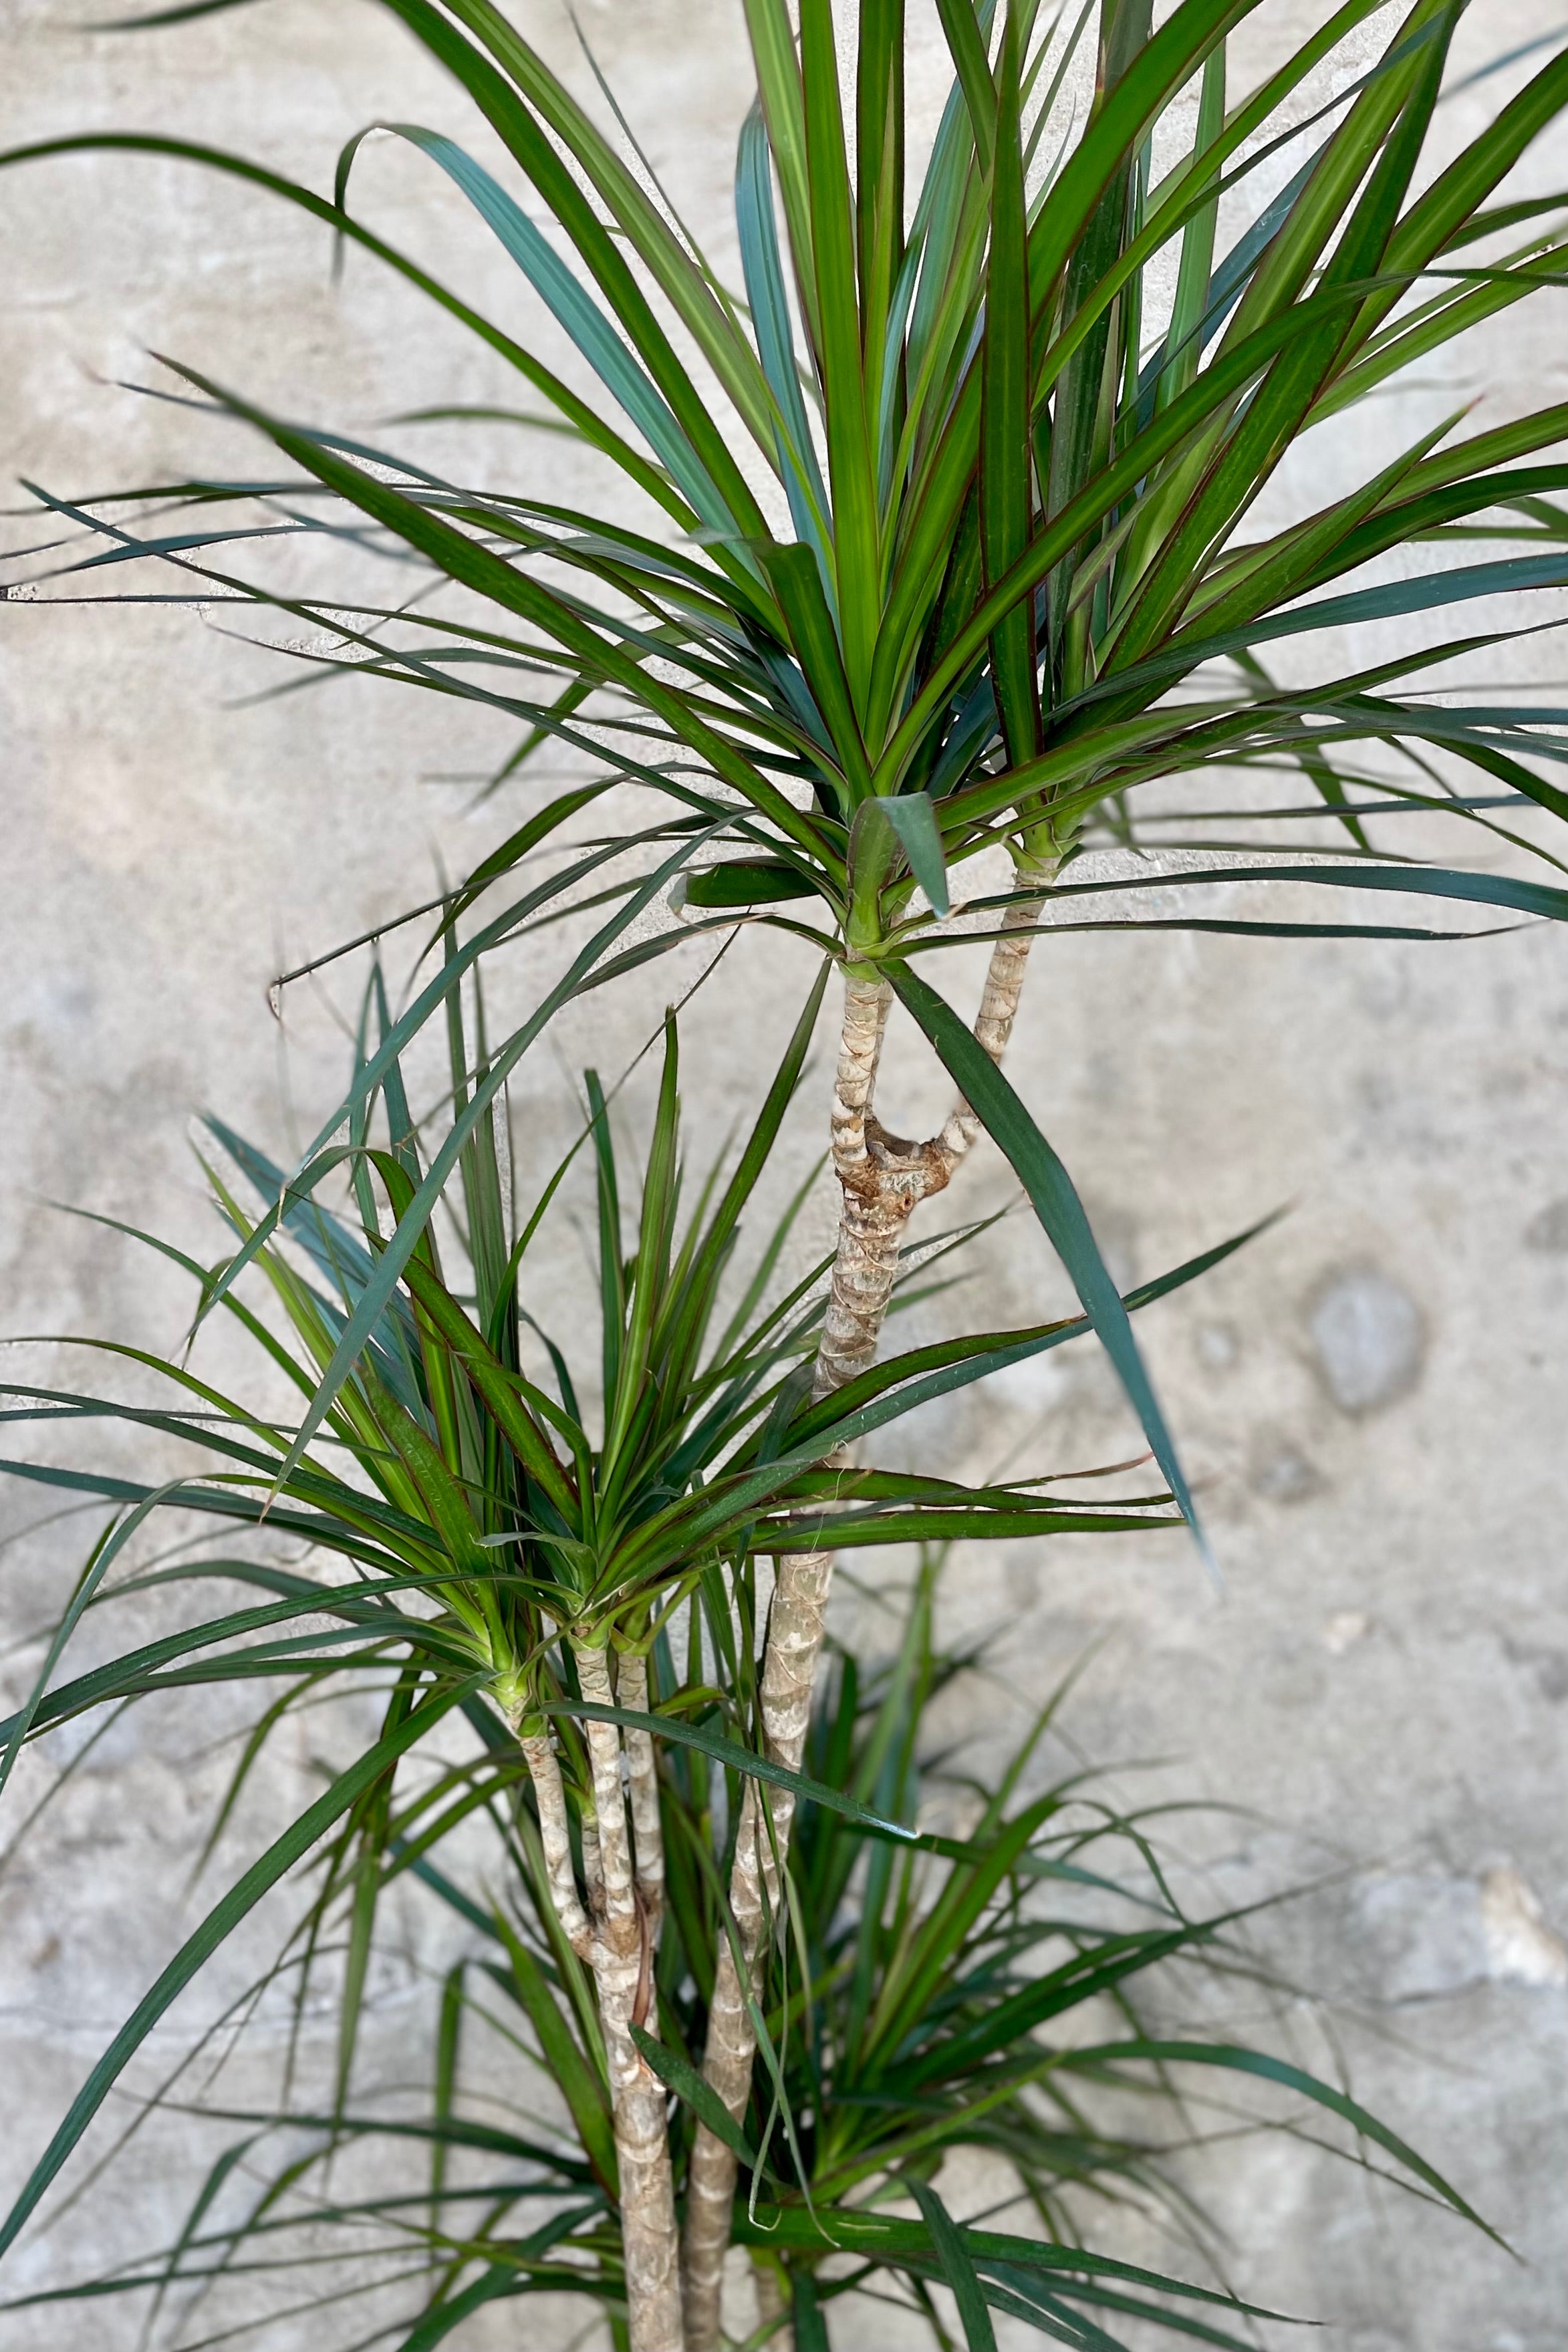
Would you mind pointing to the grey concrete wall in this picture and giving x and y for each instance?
(1372, 1396)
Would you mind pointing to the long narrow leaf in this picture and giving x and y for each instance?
(1057, 1206)
(220, 1922)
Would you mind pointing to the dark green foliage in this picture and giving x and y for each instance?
(929, 1994)
(1019, 585)
(476, 1521)
(1019, 577)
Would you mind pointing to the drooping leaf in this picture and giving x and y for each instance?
(1056, 1204)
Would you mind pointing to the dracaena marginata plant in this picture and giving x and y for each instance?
(500, 1556)
(990, 1993)
(1026, 572)
(471, 1555)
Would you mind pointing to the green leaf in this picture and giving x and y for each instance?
(1057, 1206)
(508, 2276)
(220, 1922)
(499, 2280)
(367, 1828)
(448, 2044)
(104, 1554)
(659, 1185)
(784, 110)
(400, 1249)
(710, 1253)
(810, 2326)
(686, 281)
(796, 580)
(1097, 1970)
(957, 2268)
(1007, 497)
(1428, 591)
(601, 253)
(681, 2077)
(967, 49)
(763, 274)
(912, 817)
(879, 129)
(853, 2230)
(746, 882)
(1292, 2078)
(850, 472)
(922, 1373)
(1057, 2315)
(1216, 387)
(517, 845)
(575, 2077)
(851, 1530)
(1196, 265)
(578, 313)
(1441, 210)
(593, 428)
(1415, 881)
(728, 1505)
(736, 1759)
(1165, 63)
(472, 565)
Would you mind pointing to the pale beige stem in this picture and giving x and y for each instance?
(544, 1770)
(618, 1949)
(604, 1745)
(881, 1178)
(770, 2307)
(866, 1006)
(593, 1874)
(623, 1977)
(642, 1787)
(999, 1004)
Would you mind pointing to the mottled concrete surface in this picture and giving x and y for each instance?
(1371, 1395)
